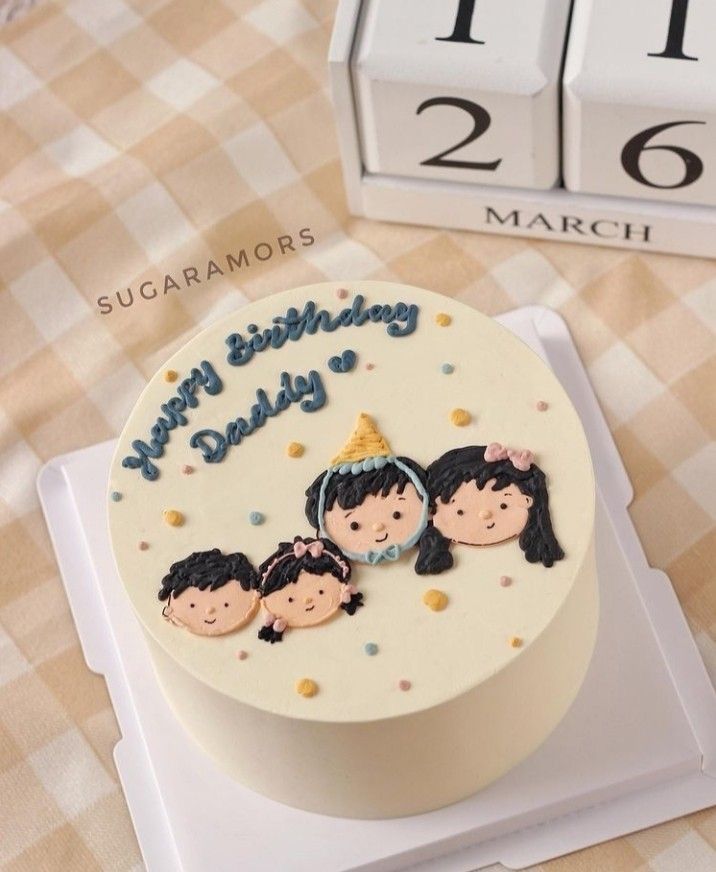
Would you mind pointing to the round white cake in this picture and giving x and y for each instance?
(357, 526)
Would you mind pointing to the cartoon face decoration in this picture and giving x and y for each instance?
(311, 599)
(372, 504)
(210, 593)
(213, 612)
(482, 495)
(474, 516)
(304, 583)
(378, 522)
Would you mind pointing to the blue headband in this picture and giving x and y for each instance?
(392, 552)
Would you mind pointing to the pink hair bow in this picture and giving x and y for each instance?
(315, 549)
(349, 590)
(495, 451)
(276, 624)
(521, 459)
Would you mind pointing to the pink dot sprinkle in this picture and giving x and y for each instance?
(404, 684)
(542, 406)
(143, 545)
(341, 293)
(505, 580)
(370, 366)
(187, 470)
(242, 655)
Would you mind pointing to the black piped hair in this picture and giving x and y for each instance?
(434, 554)
(287, 567)
(210, 569)
(460, 465)
(350, 490)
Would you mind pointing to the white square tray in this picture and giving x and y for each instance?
(637, 747)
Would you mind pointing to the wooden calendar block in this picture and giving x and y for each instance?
(461, 197)
(461, 90)
(640, 100)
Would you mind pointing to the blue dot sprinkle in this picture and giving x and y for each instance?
(447, 368)
(256, 518)
(116, 496)
(370, 648)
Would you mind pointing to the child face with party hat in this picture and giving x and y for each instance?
(372, 504)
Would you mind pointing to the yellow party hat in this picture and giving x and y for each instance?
(365, 441)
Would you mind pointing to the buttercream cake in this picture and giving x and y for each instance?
(356, 523)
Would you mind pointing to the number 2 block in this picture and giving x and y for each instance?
(640, 100)
(461, 90)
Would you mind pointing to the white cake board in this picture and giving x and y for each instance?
(637, 747)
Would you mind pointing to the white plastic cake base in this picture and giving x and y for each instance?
(638, 746)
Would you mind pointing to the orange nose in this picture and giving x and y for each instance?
(210, 610)
(308, 600)
(378, 527)
(484, 514)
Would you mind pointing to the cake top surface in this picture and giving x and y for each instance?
(282, 475)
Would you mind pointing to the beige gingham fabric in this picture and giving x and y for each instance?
(139, 139)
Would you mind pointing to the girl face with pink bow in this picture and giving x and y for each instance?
(482, 495)
(497, 511)
(304, 583)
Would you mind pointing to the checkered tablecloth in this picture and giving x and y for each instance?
(143, 139)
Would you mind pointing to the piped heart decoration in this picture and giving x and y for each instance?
(344, 363)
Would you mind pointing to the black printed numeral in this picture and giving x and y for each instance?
(674, 47)
(637, 145)
(480, 120)
(463, 24)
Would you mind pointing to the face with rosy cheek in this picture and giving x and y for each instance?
(482, 517)
(310, 600)
(379, 521)
(213, 612)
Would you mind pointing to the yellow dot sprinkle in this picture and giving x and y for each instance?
(515, 641)
(436, 600)
(306, 687)
(442, 319)
(295, 449)
(171, 375)
(460, 417)
(173, 517)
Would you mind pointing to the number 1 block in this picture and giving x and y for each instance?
(640, 100)
(461, 90)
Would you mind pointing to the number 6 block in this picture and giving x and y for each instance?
(461, 90)
(640, 100)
